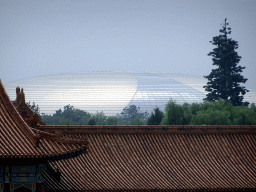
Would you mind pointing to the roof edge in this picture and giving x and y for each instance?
(147, 129)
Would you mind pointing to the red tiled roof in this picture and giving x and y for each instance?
(18, 140)
(27, 110)
(167, 158)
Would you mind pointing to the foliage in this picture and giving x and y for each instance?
(243, 116)
(100, 118)
(176, 114)
(137, 121)
(87, 118)
(35, 108)
(155, 117)
(92, 122)
(111, 120)
(253, 107)
(69, 116)
(72, 116)
(131, 115)
(213, 113)
(220, 112)
(224, 81)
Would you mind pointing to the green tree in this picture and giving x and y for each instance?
(253, 107)
(176, 114)
(137, 121)
(69, 116)
(92, 122)
(129, 114)
(35, 108)
(224, 81)
(243, 116)
(74, 115)
(87, 118)
(222, 112)
(100, 118)
(155, 117)
(213, 113)
(111, 120)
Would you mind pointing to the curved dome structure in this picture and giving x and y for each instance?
(110, 92)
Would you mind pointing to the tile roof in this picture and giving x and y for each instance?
(170, 158)
(26, 109)
(18, 140)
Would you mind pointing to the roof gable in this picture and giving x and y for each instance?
(17, 139)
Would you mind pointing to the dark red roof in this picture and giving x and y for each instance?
(25, 109)
(159, 158)
(18, 140)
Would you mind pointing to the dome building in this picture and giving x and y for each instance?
(110, 92)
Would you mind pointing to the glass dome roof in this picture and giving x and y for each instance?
(109, 92)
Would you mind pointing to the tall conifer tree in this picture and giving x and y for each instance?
(224, 81)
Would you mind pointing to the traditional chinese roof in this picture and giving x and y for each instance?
(158, 158)
(18, 140)
(23, 108)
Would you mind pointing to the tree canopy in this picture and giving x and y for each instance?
(72, 116)
(155, 117)
(69, 116)
(220, 112)
(224, 81)
(176, 114)
(131, 115)
(35, 108)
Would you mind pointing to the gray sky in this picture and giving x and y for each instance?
(47, 37)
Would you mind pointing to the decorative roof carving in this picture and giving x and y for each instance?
(33, 121)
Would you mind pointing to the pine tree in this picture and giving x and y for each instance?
(224, 81)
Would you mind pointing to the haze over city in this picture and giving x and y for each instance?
(48, 37)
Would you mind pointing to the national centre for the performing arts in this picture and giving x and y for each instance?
(110, 92)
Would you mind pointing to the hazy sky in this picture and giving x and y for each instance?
(47, 37)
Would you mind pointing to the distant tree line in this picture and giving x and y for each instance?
(220, 112)
(71, 116)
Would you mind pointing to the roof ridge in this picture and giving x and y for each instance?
(14, 113)
(148, 129)
(58, 137)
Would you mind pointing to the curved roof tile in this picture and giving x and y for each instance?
(17, 139)
(172, 158)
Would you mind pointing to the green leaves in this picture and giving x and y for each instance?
(132, 115)
(218, 112)
(176, 114)
(155, 117)
(69, 116)
(112, 120)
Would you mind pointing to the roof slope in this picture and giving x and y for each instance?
(18, 140)
(159, 158)
(27, 110)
